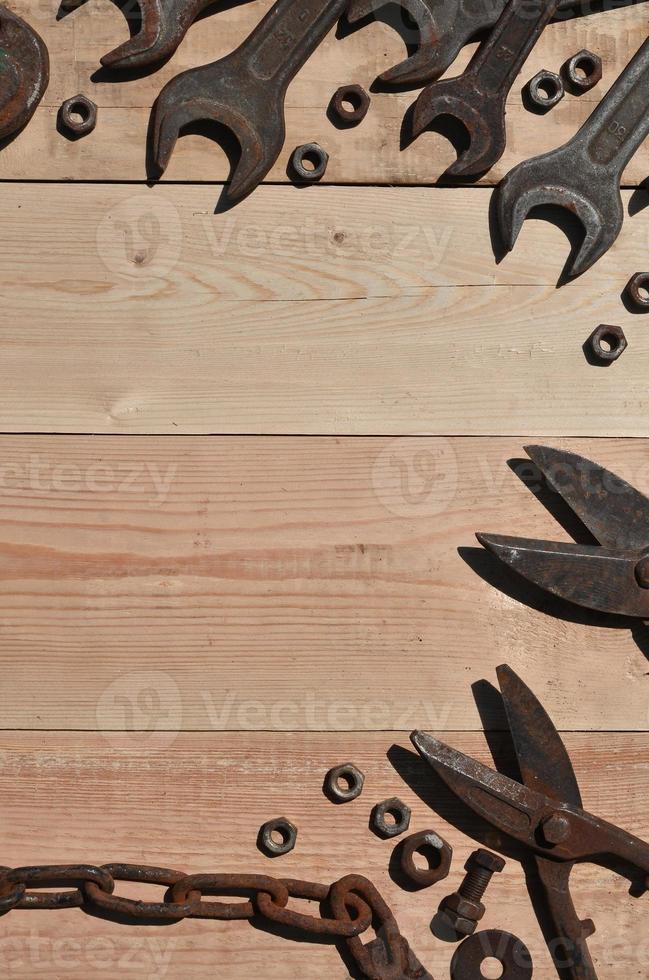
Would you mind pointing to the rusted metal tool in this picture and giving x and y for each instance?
(477, 99)
(354, 902)
(583, 176)
(611, 578)
(544, 814)
(444, 27)
(164, 25)
(246, 90)
(512, 954)
(24, 72)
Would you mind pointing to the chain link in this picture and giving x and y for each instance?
(354, 901)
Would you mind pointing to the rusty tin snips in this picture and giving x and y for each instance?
(544, 814)
(609, 577)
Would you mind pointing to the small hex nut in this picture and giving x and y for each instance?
(426, 842)
(353, 96)
(583, 71)
(311, 153)
(638, 290)
(394, 808)
(546, 89)
(79, 115)
(607, 343)
(285, 829)
(344, 783)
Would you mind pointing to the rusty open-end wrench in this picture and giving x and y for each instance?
(24, 72)
(444, 27)
(477, 99)
(245, 91)
(584, 175)
(164, 25)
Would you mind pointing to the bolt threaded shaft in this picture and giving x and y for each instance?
(475, 884)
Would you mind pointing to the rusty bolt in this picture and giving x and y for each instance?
(79, 115)
(583, 71)
(429, 844)
(392, 808)
(545, 89)
(344, 783)
(309, 163)
(350, 104)
(608, 343)
(555, 829)
(464, 908)
(638, 290)
(283, 828)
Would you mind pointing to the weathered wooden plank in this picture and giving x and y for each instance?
(197, 805)
(369, 154)
(289, 584)
(136, 311)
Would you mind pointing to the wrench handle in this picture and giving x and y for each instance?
(286, 37)
(620, 124)
(501, 57)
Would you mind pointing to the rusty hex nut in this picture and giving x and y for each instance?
(79, 115)
(607, 343)
(555, 829)
(398, 811)
(545, 89)
(429, 844)
(638, 290)
(350, 104)
(583, 71)
(279, 827)
(344, 783)
(313, 154)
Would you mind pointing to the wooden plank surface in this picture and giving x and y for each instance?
(317, 584)
(369, 154)
(197, 804)
(304, 313)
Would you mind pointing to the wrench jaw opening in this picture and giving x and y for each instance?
(412, 70)
(522, 190)
(149, 46)
(260, 145)
(486, 136)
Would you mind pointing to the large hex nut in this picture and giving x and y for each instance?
(350, 104)
(607, 343)
(432, 847)
(344, 783)
(583, 71)
(390, 818)
(282, 828)
(638, 290)
(309, 163)
(463, 914)
(545, 90)
(79, 115)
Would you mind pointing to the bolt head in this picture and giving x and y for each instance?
(485, 859)
(556, 829)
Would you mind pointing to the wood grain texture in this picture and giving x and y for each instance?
(369, 154)
(314, 584)
(139, 312)
(197, 806)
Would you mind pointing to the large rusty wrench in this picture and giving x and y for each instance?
(584, 175)
(478, 98)
(444, 27)
(164, 25)
(245, 91)
(24, 72)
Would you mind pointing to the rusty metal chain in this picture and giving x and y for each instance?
(354, 902)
